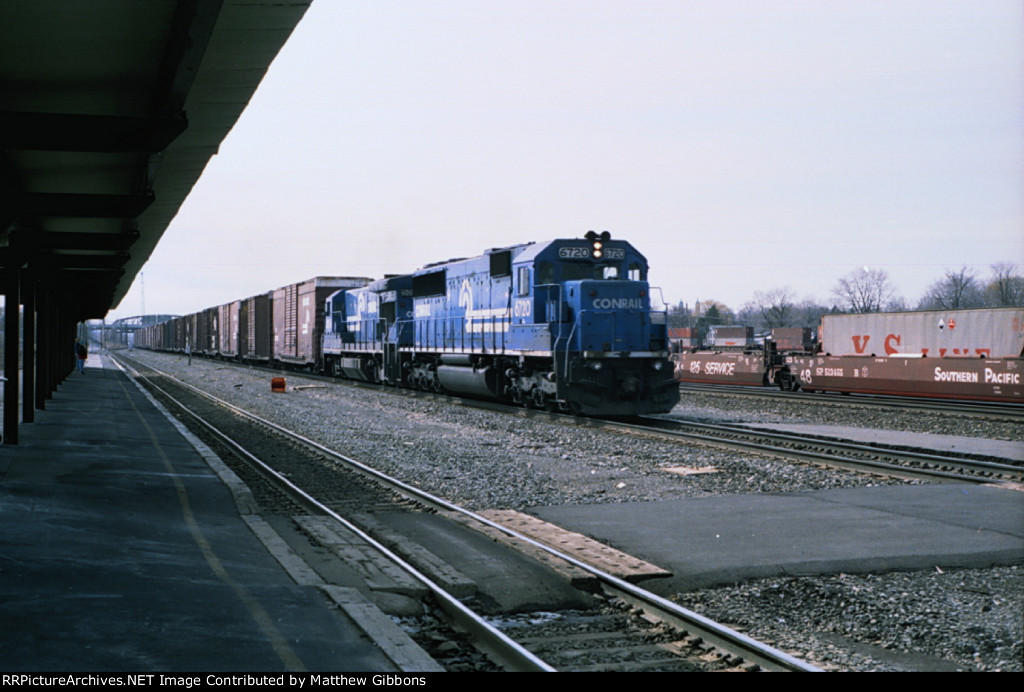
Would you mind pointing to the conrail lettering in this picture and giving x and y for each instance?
(618, 303)
(1001, 377)
(955, 376)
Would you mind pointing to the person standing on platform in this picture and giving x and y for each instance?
(81, 353)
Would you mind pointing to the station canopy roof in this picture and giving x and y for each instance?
(109, 112)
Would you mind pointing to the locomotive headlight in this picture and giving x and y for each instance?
(597, 242)
(658, 365)
(595, 365)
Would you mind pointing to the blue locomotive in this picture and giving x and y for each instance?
(562, 325)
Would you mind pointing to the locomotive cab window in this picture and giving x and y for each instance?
(501, 263)
(545, 273)
(524, 281)
(429, 285)
(573, 271)
(635, 272)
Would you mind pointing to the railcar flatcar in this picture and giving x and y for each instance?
(741, 362)
(953, 354)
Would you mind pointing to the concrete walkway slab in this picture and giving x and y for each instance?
(723, 540)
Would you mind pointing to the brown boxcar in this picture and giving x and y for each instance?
(256, 328)
(206, 331)
(228, 322)
(180, 334)
(195, 332)
(298, 318)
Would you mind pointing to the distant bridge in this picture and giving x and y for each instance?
(138, 322)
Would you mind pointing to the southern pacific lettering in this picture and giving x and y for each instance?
(954, 376)
(993, 377)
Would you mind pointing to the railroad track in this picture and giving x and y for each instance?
(888, 461)
(971, 409)
(666, 637)
(834, 453)
(893, 462)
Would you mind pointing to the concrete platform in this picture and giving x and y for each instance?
(723, 540)
(121, 550)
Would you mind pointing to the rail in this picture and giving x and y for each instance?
(510, 653)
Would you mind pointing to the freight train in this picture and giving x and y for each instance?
(953, 354)
(561, 325)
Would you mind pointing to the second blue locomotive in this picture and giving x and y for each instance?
(562, 325)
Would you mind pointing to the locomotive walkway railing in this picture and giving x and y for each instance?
(485, 334)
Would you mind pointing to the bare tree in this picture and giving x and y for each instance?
(957, 290)
(809, 313)
(775, 307)
(1006, 288)
(864, 290)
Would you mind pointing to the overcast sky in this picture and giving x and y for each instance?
(742, 145)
